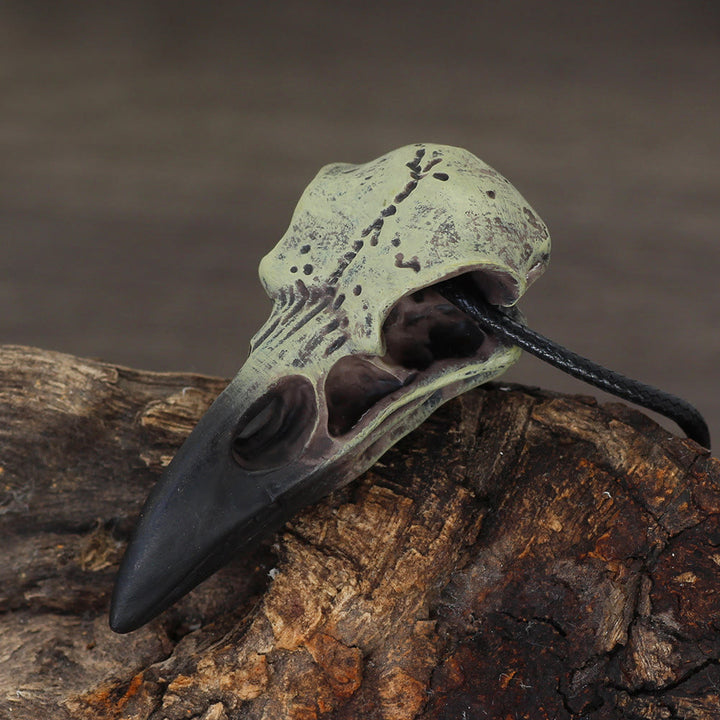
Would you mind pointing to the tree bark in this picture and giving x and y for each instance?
(523, 554)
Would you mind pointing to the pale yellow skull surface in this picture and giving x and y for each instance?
(354, 311)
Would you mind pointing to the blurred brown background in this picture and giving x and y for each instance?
(152, 152)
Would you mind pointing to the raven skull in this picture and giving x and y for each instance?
(358, 350)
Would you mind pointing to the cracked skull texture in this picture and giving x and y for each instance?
(359, 349)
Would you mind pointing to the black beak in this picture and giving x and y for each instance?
(210, 504)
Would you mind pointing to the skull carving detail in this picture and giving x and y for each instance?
(358, 351)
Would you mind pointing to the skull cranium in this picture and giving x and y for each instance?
(359, 349)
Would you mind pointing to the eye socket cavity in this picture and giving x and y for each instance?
(421, 330)
(497, 286)
(424, 327)
(274, 430)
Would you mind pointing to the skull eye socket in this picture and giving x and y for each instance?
(424, 328)
(275, 428)
(496, 286)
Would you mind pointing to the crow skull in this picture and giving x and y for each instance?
(359, 349)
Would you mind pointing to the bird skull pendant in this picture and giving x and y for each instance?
(359, 349)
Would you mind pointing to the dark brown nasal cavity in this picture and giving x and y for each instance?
(276, 427)
(352, 387)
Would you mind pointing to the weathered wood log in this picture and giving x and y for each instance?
(522, 555)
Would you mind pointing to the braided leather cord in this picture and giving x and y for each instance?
(462, 292)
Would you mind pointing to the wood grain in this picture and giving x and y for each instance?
(522, 554)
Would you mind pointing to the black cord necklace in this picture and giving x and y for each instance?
(462, 292)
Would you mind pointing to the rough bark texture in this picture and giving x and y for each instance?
(521, 555)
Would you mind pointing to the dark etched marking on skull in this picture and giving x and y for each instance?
(294, 309)
(307, 269)
(357, 290)
(300, 304)
(305, 352)
(339, 300)
(431, 164)
(491, 194)
(374, 229)
(413, 263)
(406, 191)
(339, 270)
(532, 219)
(336, 345)
(414, 164)
(305, 249)
(396, 241)
(327, 289)
(305, 319)
(376, 225)
(294, 269)
(268, 332)
(358, 245)
(441, 176)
